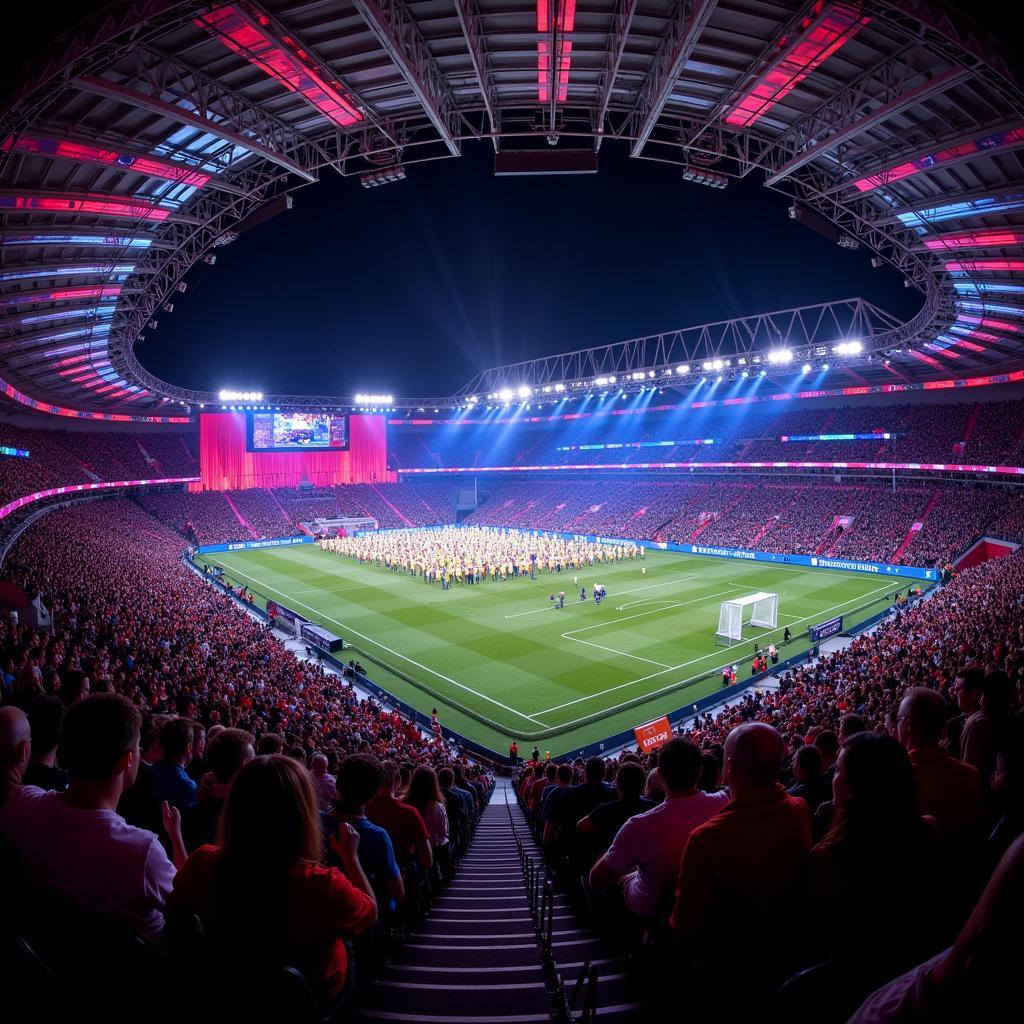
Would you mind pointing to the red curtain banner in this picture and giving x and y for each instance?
(226, 465)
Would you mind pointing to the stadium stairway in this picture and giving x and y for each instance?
(590, 979)
(475, 959)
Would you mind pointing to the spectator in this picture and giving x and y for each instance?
(605, 820)
(567, 806)
(402, 823)
(741, 871)
(172, 781)
(810, 784)
(323, 782)
(198, 766)
(977, 977)
(644, 856)
(75, 843)
(455, 805)
(980, 737)
(966, 691)
(229, 751)
(1008, 787)
(563, 780)
(947, 789)
(15, 750)
(270, 743)
(140, 805)
(425, 796)
(75, 687)
(710, 773)
(46, 717)
(358, 780)
(827, 743)
(878, 825)
(304, 910)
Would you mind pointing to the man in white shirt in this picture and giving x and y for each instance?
(75, 843)
(644, 856)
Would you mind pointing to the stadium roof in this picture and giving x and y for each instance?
(160, 130)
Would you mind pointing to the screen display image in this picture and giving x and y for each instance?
(297, 431)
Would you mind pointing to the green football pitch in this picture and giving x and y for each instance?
(500, 661)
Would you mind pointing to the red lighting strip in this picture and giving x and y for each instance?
(94, 203)
(999, 140)
(248, 33)
(944, 467)
(92, 292)
(829, 28)
(84, 153)
(976, 240)
(974, 265)
(13, 506)
(923, 358)
(80, 414)
(566, 24)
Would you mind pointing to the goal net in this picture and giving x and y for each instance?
(760, 610)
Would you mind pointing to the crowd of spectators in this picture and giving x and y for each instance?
(258, 507)
(157, 728)
(760, 835)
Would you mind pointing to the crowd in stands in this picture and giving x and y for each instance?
(760, 513)
(262, 512)
(61, 457)
(157, 729)
(850, 818)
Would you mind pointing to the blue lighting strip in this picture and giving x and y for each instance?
(104, 270)
(990, 307)
(635, 444)
(19, 453)
(965, 210)
(969, 288)
(67, 314)
(837, 437)
(114, 241)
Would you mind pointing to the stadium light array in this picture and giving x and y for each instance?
(506, 394)
(806, 368)
(523, 391)
(780, 355)
(241, 396)
(683, 370)
(374, 399)
(848, 348)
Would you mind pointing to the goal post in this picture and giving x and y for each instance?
(733, 615)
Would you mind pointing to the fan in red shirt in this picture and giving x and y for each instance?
(402, 822)
(263, 895)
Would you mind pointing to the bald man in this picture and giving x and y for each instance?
(947, 789)
(741, 870)
(15, 749)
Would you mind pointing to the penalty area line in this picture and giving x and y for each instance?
(685, 664)
(363, 636)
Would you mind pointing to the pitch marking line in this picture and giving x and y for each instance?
(363, 636)
(685, 664)
(637, 615)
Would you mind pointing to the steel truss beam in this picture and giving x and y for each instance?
(840, 120)
(622, 22)
(802, 330)
(400, 39)
(678, 44)
(235, 121)
(470, 21)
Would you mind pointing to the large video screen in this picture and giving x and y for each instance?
(297, 431)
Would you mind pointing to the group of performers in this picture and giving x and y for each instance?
(471, 554)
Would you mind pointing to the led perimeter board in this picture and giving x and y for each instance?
(297, 431)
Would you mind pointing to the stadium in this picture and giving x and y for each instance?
(512, 513)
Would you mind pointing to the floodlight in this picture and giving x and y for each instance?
(524, 392)
(807, 368)
(506, 394)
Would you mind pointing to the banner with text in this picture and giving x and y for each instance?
(653, 735)
(250, 545)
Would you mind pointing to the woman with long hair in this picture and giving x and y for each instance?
(877, 833)
(263, 893)
(425, 795)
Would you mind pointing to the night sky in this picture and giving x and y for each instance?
(415, 286)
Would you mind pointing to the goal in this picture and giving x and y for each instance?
(763, 612)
